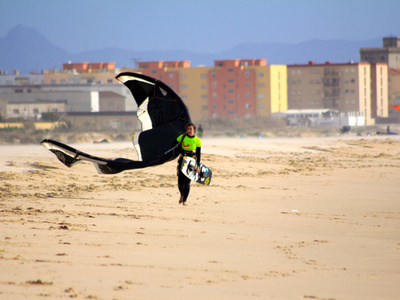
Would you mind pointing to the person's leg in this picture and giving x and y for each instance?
(184, 187)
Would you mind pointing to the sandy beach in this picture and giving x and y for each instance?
(284, 218)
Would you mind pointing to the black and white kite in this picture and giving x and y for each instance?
(163, 116)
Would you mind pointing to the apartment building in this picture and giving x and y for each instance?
(394, 92)
(389, 53)
(342, 87)
(193, 89)
(245, 88)
(379, 90)
(90, 67)
(231, 88)
(271, 89)
(189, 83)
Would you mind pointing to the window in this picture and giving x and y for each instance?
(230, 81)
(260, 74)
(230, 70)
(231, 102)
(214, 84)
(109, 80)
(16, 111)
(35, 111)
(247, 74)
(231, 91)
(153, 71)
(247, 83)
(248, 105)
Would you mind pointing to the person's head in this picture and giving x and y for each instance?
(190, 129)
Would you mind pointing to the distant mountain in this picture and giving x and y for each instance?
(26, 50)
(336, 51)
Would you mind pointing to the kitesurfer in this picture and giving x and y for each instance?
(190, 145)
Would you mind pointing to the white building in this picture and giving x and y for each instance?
(321, 117)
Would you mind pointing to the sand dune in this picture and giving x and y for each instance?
(299, 218)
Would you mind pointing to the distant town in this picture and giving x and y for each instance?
(309, 94)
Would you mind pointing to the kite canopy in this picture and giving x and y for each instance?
(160, 110)
(163, 116)
(396, 107)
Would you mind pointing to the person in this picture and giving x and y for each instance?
(200, 131)
(190, 145)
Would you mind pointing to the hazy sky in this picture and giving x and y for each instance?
(201, 26)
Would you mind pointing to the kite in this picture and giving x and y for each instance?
(396, 107)
(163, 116)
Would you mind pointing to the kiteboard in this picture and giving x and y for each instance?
(188, 168)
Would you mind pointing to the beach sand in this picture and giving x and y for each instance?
(284, 218)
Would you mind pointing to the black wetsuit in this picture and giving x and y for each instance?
(184, 181)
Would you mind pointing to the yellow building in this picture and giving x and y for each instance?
(379, 90)
(271, 89)
(193, 89)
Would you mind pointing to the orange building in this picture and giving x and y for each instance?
(232, 88)
(166, 71)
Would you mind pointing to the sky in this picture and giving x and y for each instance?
(198, 26)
